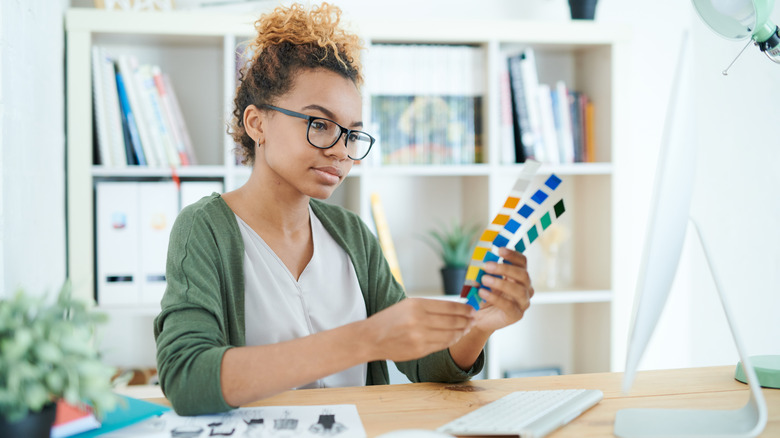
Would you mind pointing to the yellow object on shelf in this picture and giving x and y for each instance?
(385, 240)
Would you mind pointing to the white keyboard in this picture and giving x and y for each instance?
(529, 414)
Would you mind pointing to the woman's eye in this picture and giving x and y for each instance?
(319, 125)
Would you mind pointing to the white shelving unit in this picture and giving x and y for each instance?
(197, 51)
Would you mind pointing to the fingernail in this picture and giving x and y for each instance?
(488, 280)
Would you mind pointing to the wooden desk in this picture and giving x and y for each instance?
(429, 405)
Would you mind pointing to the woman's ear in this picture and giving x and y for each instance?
(253, 123)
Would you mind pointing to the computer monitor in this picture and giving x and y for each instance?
(667, 224)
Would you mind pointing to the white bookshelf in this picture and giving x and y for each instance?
(196, 50)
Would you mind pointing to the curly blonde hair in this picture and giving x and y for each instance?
(289, 40)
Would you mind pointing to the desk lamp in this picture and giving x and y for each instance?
(736, 20)
(739, 19)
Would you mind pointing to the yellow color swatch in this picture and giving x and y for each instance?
(488, 235)
(479, 253)
(511, 202)
(501, 219)
(472, 272)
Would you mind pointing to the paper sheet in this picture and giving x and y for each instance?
(341, 421)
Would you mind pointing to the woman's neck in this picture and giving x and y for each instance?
(263, 200)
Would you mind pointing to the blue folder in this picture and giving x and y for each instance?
(128, 411)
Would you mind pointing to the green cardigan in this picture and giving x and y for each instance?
(203, 307)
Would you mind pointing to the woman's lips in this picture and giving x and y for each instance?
(329, 173)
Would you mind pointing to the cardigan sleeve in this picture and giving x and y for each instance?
(190, 331)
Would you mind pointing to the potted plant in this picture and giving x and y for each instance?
(454, 244)
(47, 354)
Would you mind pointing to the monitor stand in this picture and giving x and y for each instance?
(747, 421)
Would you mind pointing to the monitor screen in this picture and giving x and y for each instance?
(668, 215)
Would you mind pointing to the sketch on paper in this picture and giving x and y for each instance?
(340, 421)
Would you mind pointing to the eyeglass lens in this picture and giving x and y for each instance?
(323, 134)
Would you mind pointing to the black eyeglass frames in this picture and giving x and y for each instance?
(323, 133)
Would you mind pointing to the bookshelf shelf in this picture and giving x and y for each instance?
(198, 51)
(158, 172)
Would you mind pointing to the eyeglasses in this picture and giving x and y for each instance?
(323, 133)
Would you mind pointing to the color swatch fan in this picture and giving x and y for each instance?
(515, 226)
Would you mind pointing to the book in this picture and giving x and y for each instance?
(428, 129)
(128, 412)
(525, 138)
(134, 149)
(576, 125)
(427, 101)
(178, 117)
(507, 134)
(177, 140)
(72, 420)
(589, 131)
(102, 137)
(563, 125)
(127, 67)
(162, 139)
(547, 119)
(113, 112)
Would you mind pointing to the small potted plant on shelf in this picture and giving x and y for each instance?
(47, 354)
(454, 245)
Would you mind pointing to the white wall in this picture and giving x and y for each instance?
(32, 146)
(734, 199)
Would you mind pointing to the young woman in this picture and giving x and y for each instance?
(270, 289)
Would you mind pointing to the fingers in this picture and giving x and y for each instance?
(444, 315)
(416, 327)
(509, 282)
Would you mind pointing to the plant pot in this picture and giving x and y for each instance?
(582, 9)
(34, 425)
(453, 279)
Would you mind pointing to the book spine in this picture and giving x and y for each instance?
(99, 109)
(181, 125)
(507, 121)
(166, 150)
(531, 83)
(113, 111)
(576, 125)
(525, 138)
(137, 155)
(564, 127)
(170, 119)
(590, 134)
(547, 117)
(154, 146)
(127, 67)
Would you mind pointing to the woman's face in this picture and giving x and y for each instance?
(296, 164)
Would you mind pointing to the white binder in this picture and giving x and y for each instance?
(158, 205)
(118, 235)
(192, 191)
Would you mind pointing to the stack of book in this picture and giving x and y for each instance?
(543, 122)
(426, 102)
(137, 117)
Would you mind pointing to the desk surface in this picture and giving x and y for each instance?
(429, 405)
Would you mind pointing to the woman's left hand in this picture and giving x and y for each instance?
(510, 292)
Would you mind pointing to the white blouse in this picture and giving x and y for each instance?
(280, 308)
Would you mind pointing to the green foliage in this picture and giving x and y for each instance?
(47, 353)
(454, 244)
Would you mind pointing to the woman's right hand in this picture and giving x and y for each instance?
(416, 327)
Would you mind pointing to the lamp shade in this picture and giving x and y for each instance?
(737, 19)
